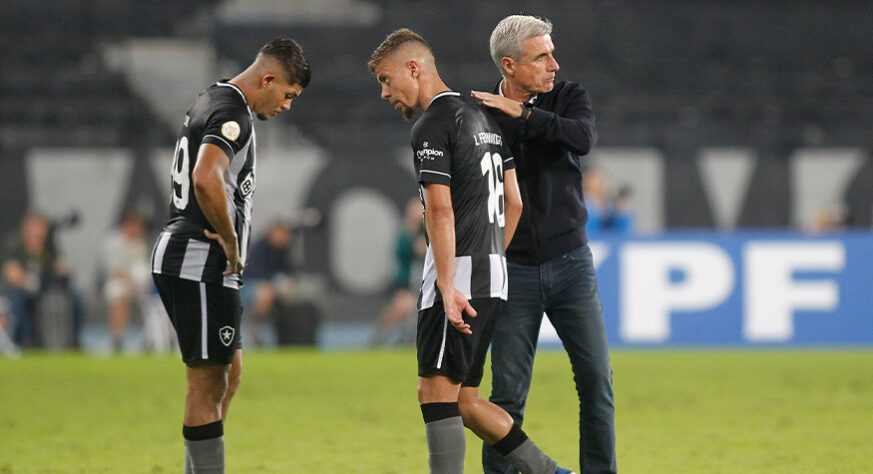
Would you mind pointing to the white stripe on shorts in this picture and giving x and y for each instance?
(204, 347)
(439, 363)
(158, 262)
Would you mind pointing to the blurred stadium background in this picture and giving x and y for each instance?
(722, 119)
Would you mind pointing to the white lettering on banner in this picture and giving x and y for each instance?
(648, 296)
(771, 293)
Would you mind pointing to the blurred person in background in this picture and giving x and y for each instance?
(548, 124)
(608, 208)
(199, 256)
(269, 280)
(830, 218)
(44, 307)
(409, 249)
(128, 284)
(7, 347)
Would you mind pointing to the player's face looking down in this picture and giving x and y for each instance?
(535, 71)
(399, 86)
(276, 96)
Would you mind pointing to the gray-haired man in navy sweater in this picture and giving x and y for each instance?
(548, 124)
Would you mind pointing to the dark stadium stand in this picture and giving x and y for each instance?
(770, 75)
(54, 89)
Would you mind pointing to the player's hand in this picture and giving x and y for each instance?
(508, 106)
(455, 304)
(234, 263)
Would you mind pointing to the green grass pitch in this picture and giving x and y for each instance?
(305, 411)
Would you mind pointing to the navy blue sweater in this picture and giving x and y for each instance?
(547, 148)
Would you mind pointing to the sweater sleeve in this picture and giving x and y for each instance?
(572, 126)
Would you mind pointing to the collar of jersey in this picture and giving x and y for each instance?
(237, 89)
(443, 94)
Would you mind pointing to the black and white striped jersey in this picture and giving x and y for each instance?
(456, 143)
(219, 116)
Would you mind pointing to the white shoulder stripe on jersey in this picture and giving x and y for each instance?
(204, 323)
(160, 249)
(237, 89)
(222, 139)
(436, 172)
(441, 94)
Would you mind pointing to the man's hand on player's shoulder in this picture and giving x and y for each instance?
(508, 106)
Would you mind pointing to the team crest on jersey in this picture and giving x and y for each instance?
(225, 334)
(248, 185)
(230, 130)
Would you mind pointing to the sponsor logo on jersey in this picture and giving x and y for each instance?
(428, 153)
(225, 335)
(247, 185)
(230, 130)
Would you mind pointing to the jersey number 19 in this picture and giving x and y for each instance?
(181, 177)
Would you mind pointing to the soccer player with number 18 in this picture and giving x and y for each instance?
(471, 206)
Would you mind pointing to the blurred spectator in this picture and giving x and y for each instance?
(7, 347)
(45, 309)
(608, 208)
(128, 286)
(269, 279)
(830, 218)
(409, 250)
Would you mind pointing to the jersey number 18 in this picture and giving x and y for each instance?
(492, 167)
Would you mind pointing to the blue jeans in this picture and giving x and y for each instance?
(565, 289)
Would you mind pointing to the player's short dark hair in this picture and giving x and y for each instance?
(391, 43)
(292, 57)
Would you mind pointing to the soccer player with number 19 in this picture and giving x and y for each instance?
(199, 257)
(471, 207)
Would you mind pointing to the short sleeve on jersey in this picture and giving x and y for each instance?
(229, 128)
(432, 151)
(508, 160)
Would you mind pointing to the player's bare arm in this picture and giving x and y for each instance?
(510, 107)
(439, 219)
(208, 178)
(512, 205)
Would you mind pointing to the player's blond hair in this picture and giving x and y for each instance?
(392, 43)
(510, 32)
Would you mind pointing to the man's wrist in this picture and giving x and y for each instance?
(525, 113)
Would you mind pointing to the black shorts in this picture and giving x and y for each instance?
(206, 317)
(443, 350)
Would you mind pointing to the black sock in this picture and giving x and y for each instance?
(439, 411)
(204, 446)
(512, 440)
(523, 454)
(207, 431)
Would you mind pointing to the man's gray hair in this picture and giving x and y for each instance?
(511, 31)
